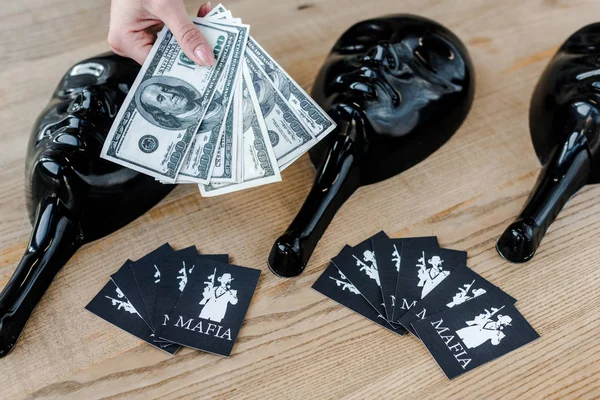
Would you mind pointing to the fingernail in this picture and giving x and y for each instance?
(205, 56)
(208, 6)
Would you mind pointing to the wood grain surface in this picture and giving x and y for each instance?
(295, 343)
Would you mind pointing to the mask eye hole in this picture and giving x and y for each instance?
(361, 37)
(434, 53)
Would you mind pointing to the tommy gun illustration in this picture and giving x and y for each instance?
(398, 88)
(73, 196)
(564, 122)
(210, 284)
(183, 277)
(371, 271)
(486, 317)
(463, 294)
(423, 272)
(421, 264)
(345, 285)
(124, 304)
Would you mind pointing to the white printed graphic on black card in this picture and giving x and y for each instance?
(156, 274)
(183, 276)
(466, 293)
(430, 274)
(344, 283)
(487, 326)
(123, 304)
(396, 258)
(210, 311)
(119, 311)
(478, 331)
(217, 297)
(371, 271)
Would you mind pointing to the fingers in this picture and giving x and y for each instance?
(191, 41)
(130, 32)
(139, 53)
(204, 9)
(130, 45)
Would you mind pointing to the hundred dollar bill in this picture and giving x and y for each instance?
(226, 165)
(224, 162)
(199, 163)
(238, 172)
(314, 118)
(161, 113)
(219, 12)
(259, 163)
(219, 9)
(288, 136)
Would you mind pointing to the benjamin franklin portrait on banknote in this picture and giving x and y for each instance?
(169, 102)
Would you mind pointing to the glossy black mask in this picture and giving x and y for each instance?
(398, 88)
(73, 196)
(564, 122)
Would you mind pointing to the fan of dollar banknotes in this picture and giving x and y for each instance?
(228, 127)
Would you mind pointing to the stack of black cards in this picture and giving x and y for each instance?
(172, 298)
(413, 284)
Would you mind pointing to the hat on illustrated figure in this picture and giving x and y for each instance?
(217, 299)
(225, 279)
(435, 261)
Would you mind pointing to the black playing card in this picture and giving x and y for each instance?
(176, 270)
(359, 265)
(333, 284)
(461, 286)
(125, 280)
(211, 309)
(147, 276)
(113, 306)
(422, 268)
(169, 286)
(388, 253)
(480, 330)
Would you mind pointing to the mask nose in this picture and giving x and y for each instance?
(376, 54)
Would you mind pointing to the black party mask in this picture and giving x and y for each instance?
(398, 88)
(73, 196)
(564, 122)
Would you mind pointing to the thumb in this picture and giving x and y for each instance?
(189, 38)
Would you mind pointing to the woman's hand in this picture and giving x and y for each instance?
(135, 23)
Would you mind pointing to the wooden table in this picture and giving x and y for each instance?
(296, 343)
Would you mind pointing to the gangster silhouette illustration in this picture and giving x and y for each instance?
(430, 276)
(73, 196)
(484, 328)
(216, 299)
(398, 88)
(564, 122)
